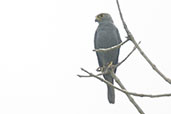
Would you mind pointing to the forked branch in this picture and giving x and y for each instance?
(131, 37)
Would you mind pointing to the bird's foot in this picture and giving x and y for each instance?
(110, 64)
(99, 69)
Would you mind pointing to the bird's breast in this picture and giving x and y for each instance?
(106, 38)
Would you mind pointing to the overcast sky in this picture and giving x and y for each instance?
(43, 44)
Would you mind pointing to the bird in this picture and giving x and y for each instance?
(107, 35)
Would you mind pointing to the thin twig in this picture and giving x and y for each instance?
(113, 47)
(122, 90)
(117, 65)
(139, 49)
(126, 56)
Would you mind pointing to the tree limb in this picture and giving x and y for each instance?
(113, 47)
(138, 47)
(121, 85)
(126, 57)
(117, 65)
(121, 90)
(128, 95)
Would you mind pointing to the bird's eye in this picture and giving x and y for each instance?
(101, 15)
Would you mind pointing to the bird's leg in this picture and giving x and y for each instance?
(110, 64)
(106, 67)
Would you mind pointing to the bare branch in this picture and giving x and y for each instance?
(126, 56)
(122, 90)
(140, 50)
(121, 85)
(128, 95)
(99, 69)
(113, 47)
(90, 74)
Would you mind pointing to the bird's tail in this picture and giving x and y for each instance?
(110, 90)
(111, 94)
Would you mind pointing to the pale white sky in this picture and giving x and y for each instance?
(43, 44)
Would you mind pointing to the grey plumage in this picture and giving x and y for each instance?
(107, 35)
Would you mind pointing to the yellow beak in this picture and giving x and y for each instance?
(97, 19)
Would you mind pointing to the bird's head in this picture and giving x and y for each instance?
(103, 17)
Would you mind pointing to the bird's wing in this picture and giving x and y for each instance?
(119, 38)
(95, 45)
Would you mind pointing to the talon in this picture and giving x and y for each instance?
(99, 69)
(102, 69)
